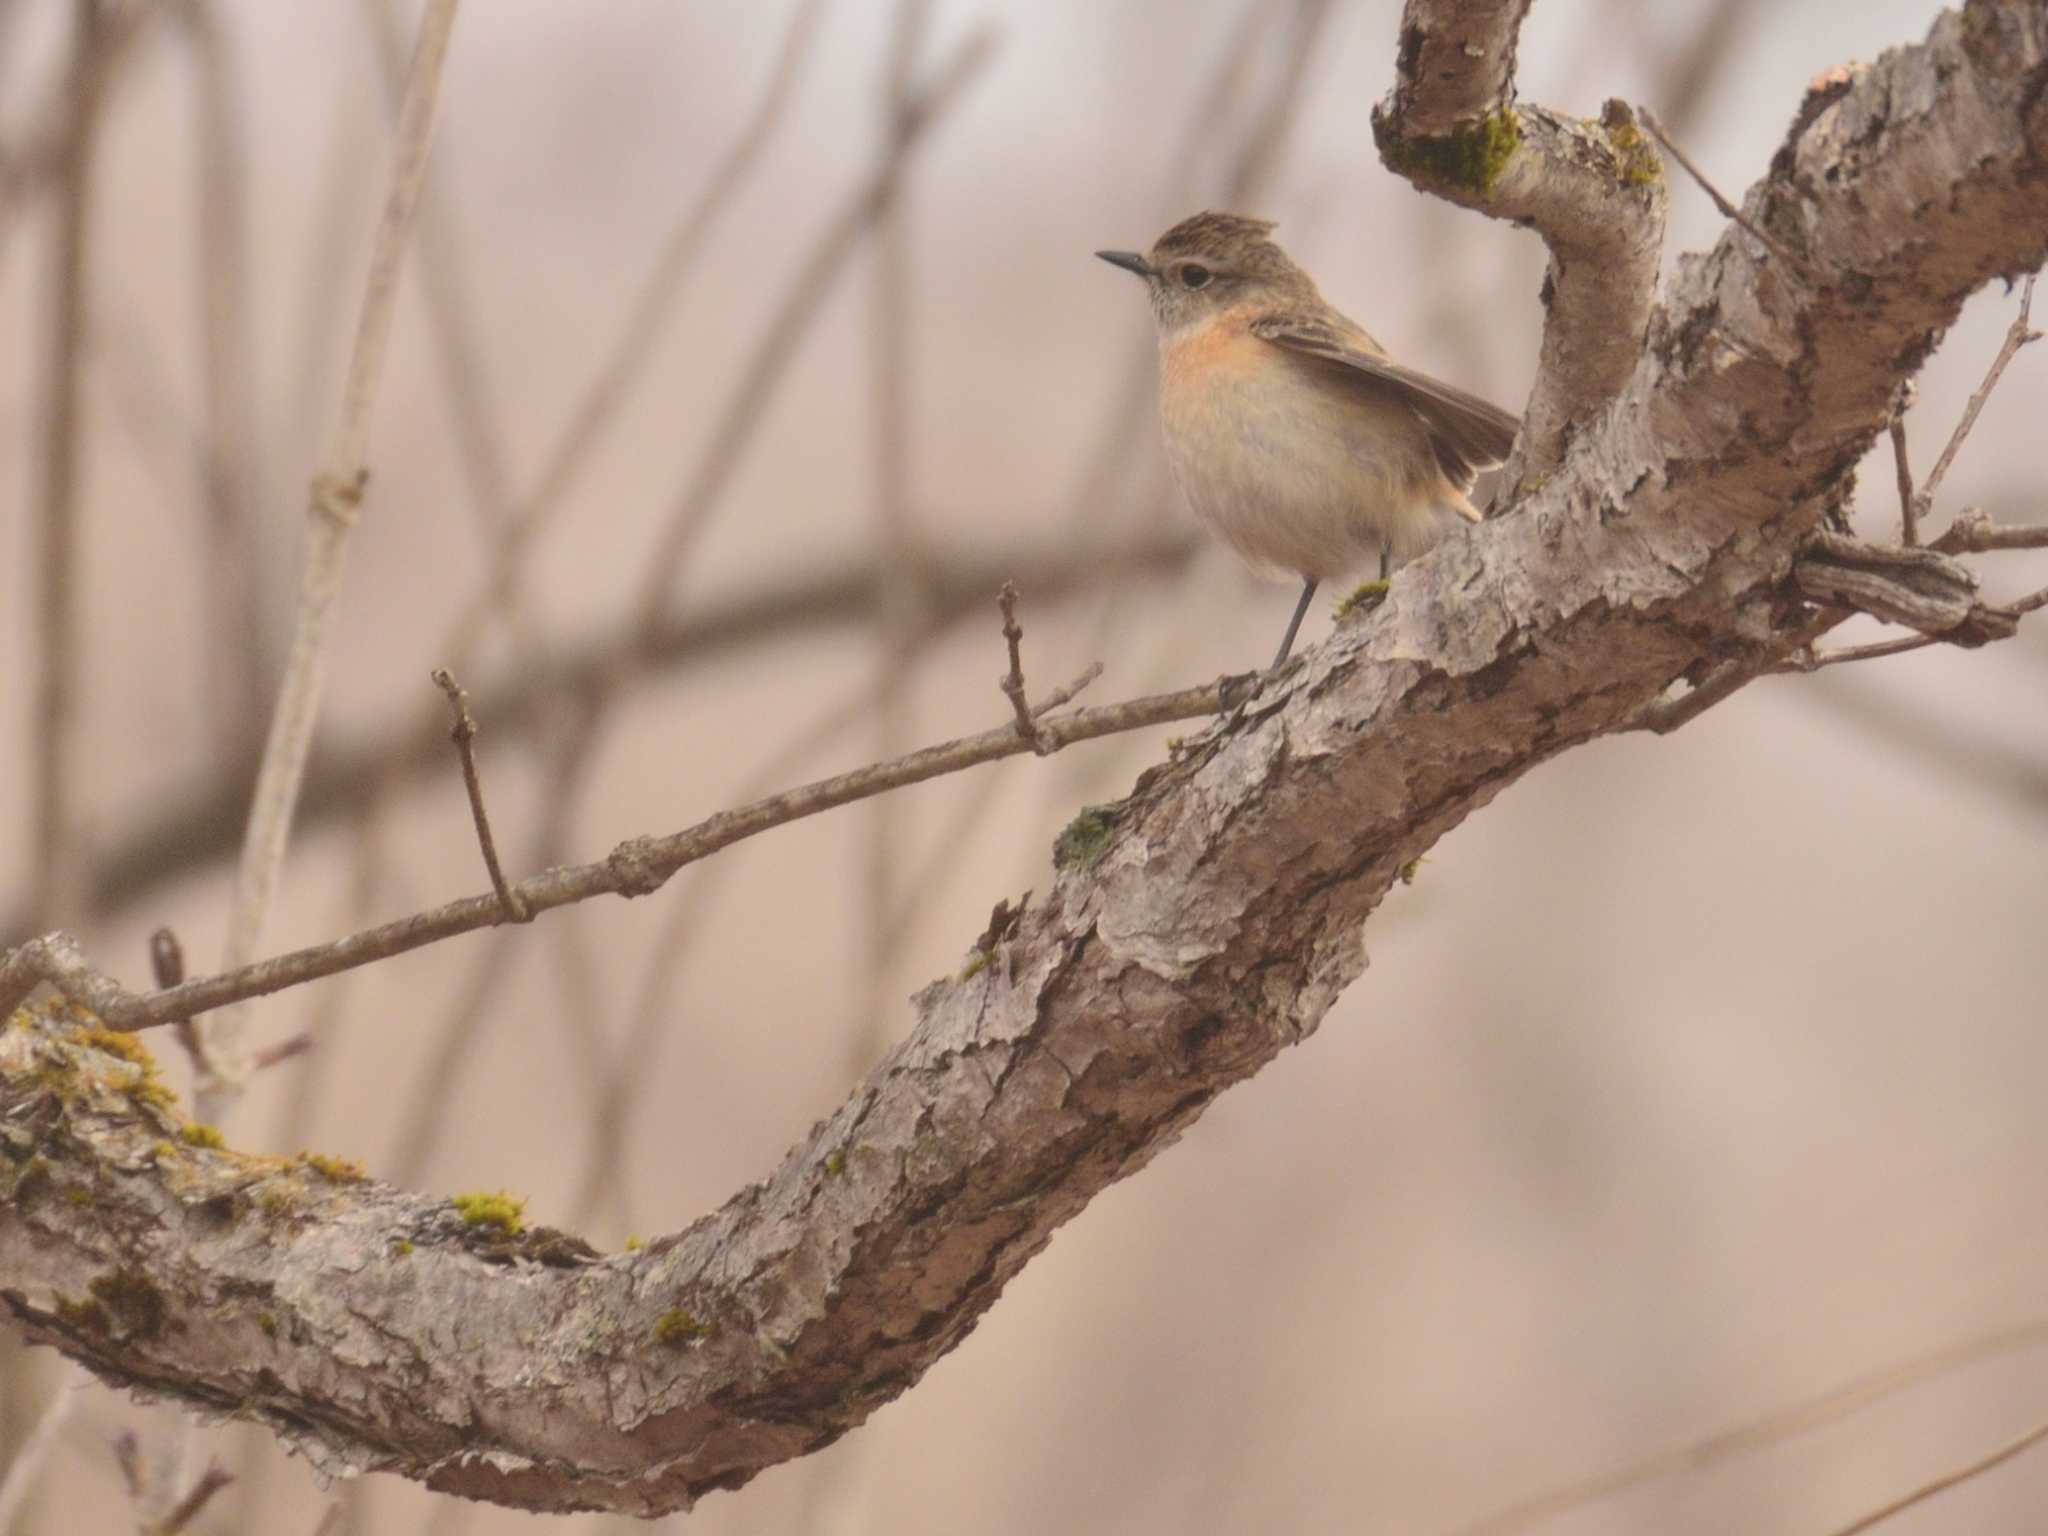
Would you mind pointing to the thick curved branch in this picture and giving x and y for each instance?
(1196, 928)
(1593, 189)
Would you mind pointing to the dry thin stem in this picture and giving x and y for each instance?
(1727, 209)
(167, 969)
(127, 1449)
(1817, 1412)
(734, 430)
(35, 1446)
(645, 324)
(652, 1015)
(635, 868)
(898, 545)
(1909, 511)
(1947, 1481)
(189, 831)
(235, 664)
(1692, 71)
(1012, 682)
(1663, 716)
(336, 492)
(284, 1050)
(59, 515)
(1067, 692)
(1973, 532)
(2017, 335)
(426, 1116)
(463, 734)
(187, 1509)
(1811, 661)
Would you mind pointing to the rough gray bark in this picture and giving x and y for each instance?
(1592, 189)
(1200, 926)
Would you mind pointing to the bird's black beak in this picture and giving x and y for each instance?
(1130, 261)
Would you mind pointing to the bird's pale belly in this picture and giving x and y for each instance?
(1303, 479)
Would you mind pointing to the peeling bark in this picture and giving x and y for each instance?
(1209, 925)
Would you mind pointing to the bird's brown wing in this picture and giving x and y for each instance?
(1468, 433)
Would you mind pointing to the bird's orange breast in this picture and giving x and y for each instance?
(1222, 342)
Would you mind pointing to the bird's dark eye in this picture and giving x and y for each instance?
(1192, 276)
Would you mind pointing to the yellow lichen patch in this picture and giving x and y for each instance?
(336, 1170)
(677, 1328)
(1636, 163)
(505, 1213)
(1366, 595)
(146, 1087)
(119, 1043)
(198, 1135)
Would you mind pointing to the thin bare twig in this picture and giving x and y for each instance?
(167, 967)
(187, 1509)
(336, 493)
(634, 868)
(1691, 71)
(1973, 532)
(898, 543)
(1909, 511)
(1817, 1412)
(731, 435)
(2017, 335)
(1807, 660)
(644, 325)
(426, 1117)
(1812, 661)
(59, 615)
(1665, 715)
(192, 830)
(1947, 1481)
(463, 734)
(653, 1020)
(1066, 692)
(33, 1448)
(744, 411)
(236, 667)
(127, 1449)
(285, 1049)
(1012, 682)
(1728, 209)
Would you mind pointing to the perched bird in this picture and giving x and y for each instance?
(1289, 430)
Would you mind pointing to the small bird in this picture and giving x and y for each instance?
(1289, 430)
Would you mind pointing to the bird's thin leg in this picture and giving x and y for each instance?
(1386, 560)
(1308, 590)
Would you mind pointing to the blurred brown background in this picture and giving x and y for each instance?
(1692, 1078)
